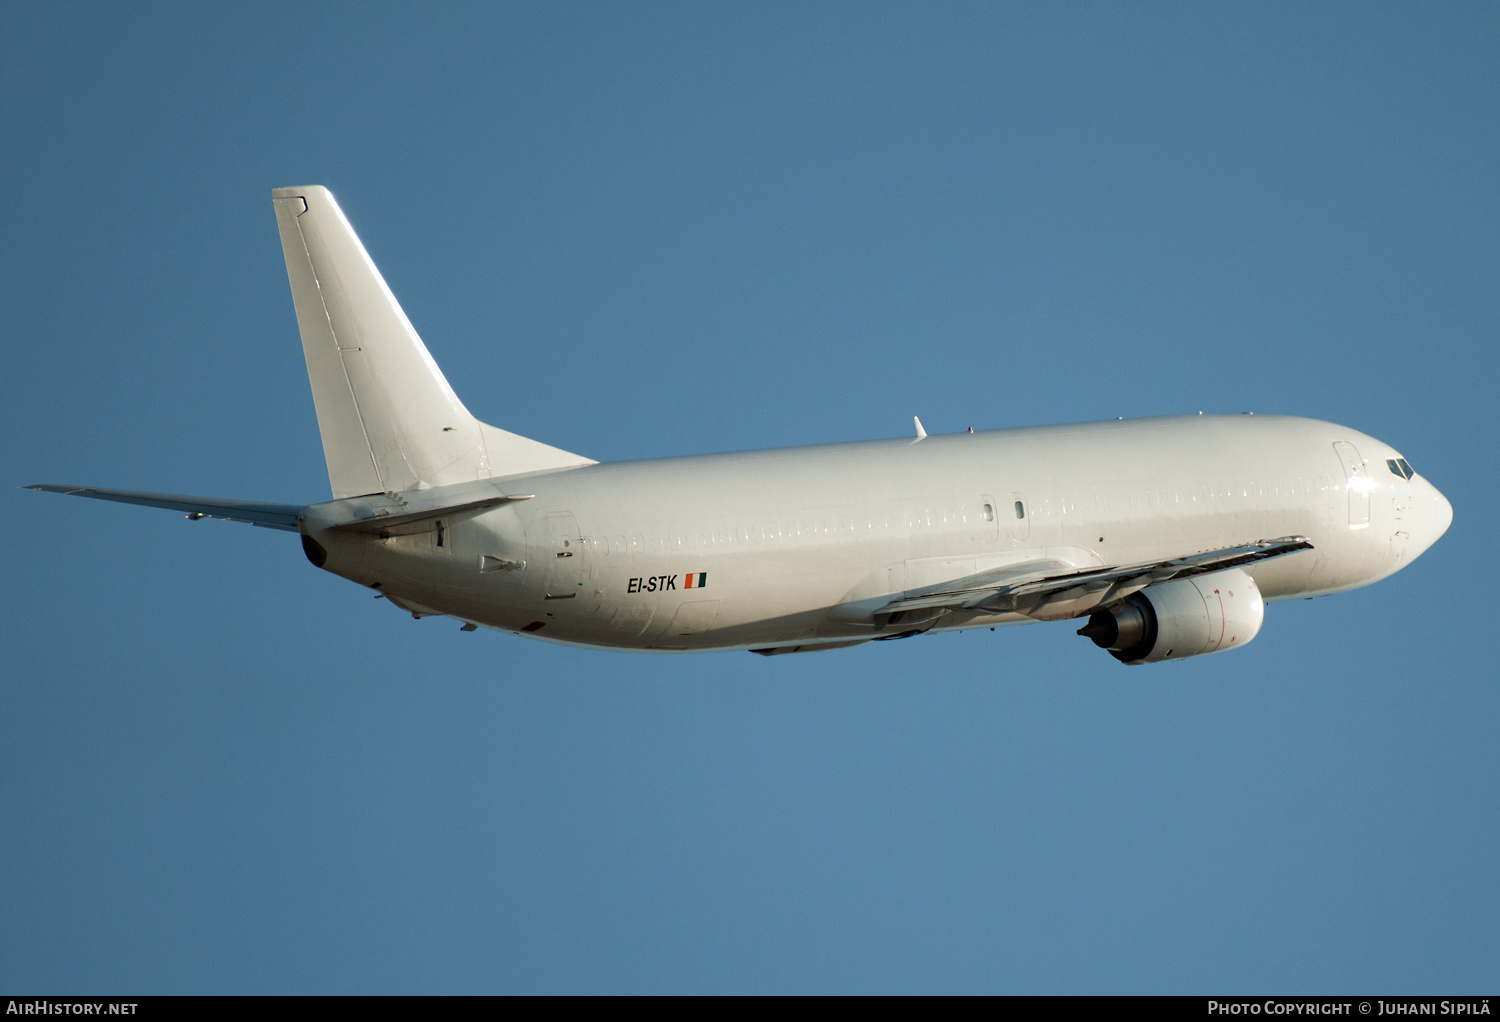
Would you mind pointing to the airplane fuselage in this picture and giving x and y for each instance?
(775, 548)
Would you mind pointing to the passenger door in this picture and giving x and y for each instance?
(1358, 482)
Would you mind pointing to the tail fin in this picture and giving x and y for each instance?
(389, 420)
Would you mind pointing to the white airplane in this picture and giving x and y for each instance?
(1166, 534)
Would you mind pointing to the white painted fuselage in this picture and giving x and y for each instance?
(801, 546)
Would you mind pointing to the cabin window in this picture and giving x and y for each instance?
(989, 512)
(1020, 509)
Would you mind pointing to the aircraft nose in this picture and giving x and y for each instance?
(1443, 514)
(1436, 514)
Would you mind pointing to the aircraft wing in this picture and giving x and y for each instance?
(269, 516)
(1051, 590)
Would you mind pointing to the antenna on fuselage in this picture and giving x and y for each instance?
(921, 433)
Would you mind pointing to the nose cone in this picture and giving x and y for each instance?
(1434, 515)
(1444, 514)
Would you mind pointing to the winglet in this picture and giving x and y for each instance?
(921, 433)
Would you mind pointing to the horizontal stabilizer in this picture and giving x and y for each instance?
(269, 516)
(385, 524)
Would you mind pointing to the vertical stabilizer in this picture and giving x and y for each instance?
(388, 418)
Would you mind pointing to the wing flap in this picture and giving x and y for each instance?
(254, 512)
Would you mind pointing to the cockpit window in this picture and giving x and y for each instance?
(1399, 467)
(1406, 468)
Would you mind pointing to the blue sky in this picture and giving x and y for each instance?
(652, 229)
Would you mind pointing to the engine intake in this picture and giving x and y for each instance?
(1186, 617)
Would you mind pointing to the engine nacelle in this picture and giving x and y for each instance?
(1183, 618)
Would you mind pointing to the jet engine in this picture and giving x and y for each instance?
(1182, 618)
